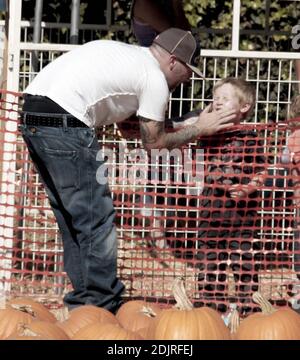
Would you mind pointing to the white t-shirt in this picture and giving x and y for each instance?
(104, 82)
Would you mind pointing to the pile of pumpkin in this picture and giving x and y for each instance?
(25, 319)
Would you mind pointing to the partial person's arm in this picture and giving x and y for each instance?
(242, 191)
(180, 20)
(152, 13)
(154, 136)
(129, 128)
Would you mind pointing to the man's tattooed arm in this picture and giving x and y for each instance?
(154, 136)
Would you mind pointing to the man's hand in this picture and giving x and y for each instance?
(211, 122)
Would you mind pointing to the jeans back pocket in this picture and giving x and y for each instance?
(63, 167)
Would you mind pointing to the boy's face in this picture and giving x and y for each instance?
(226, 98)
(294, 146)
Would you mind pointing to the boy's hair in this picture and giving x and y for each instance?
(244, 90)
(295, 107)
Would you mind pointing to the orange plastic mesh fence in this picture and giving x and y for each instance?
(221, 213)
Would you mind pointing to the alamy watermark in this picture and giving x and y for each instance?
(296, 38)
(159, 166)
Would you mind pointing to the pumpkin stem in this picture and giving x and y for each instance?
(265, 305)
(148, 311)
(179, 292)
(231, 285)
(234, 321)
(23, 330)
(24, 308)
(61, 314)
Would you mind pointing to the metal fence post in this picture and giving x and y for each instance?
(38, 12)
(74, 21)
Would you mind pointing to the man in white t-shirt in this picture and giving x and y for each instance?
(102, 82)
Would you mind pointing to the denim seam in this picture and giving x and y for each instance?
(91, 198)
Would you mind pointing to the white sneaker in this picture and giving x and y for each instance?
(295, 300)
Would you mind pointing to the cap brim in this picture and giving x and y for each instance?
(196, 71)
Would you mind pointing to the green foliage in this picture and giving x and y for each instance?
(274, 16)
(211, 19)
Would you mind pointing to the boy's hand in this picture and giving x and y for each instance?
(241, 191)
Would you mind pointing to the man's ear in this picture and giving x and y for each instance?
(172, 61)
(245, 108)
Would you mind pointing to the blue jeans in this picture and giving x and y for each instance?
(65, 158)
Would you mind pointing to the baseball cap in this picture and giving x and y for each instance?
(182, 44)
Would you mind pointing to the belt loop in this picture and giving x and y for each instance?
(65, 122)
(92, 140)
(24, 120)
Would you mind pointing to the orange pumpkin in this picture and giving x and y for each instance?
(40, 310)
(26, 337)
(270, 324)
(11, 318)
(98, 331)
(187, 323)
(40, 330)
(195, 324)
(135, 315)
(85, 315)
(145, 332)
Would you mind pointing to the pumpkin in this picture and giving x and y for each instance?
(85, 315)
(270, 324)
(40, 330)
(11, 318)
(39, 309)
(186, 322)
(145, 332)
(98, 331)
(26, 337)
(135, 315)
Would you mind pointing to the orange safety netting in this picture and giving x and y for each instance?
(222, 213)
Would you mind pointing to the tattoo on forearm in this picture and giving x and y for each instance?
(146, 134)
(181, 137)
(166, 140)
